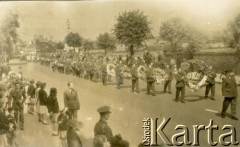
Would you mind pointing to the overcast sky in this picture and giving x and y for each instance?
(90, 18)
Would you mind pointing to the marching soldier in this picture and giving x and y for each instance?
(119, 74)
(168, 82)
(229, 91)
(210, 84)
(180, 85)
(135, 78)
(104, 73)
(150, 80)
(102, 132)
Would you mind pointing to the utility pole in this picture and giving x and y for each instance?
(68, 25)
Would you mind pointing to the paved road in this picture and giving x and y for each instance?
(128, 110)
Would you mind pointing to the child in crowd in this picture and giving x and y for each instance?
(11, 135)
(63, 126)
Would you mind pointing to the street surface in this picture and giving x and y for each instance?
(128, 109)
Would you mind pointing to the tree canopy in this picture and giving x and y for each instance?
(132, 29)
(106, 42)
(179, 36)
(74, 40)
(87, 45)
(60, 45)
(233, 35)
(8, 33)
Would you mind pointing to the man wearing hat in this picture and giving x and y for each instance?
(16, 100)
(101, 129)
(229, 91)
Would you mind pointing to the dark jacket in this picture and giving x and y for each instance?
(229, 87)
(211, 78)
(71, 100)
(102, 128)
(52, 104)
(31, 91)
(180, 80)
(42, 95)
(134, 72)
(4, 123)
(18, 97)
(62, 122)
(150, 75)
(73, 139)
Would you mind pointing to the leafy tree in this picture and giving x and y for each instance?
(132, 29)
(74, 40)
(87, 45)
(60, 45)
(106, 42)
(234, 32)
(8, 32)
(180, 37)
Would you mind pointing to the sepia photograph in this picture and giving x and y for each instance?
(120, 73)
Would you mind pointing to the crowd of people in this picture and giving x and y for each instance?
(20, 94)
(150, 68)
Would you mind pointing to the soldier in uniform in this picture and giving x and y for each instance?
(119, 74)
(104, 73)
(102, 132)
(210, 84)
(17, 99)
(180, 85)
(168, 82)
(150, 80)
(135, 78)
(229, 91)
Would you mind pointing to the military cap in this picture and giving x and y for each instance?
(104, 109)
(32, 81)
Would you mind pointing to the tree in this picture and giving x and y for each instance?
(132, 29)
(87, 45)
(234, 32)
(106, 42)
(74, 40)
(8, 33)
(180, 36)
(60, 45)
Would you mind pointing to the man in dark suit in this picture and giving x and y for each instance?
(71, 101)
(210, 84)
(229, 91)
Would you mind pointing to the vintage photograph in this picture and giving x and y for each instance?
(119, 73)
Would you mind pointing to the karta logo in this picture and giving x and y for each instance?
(153, 130)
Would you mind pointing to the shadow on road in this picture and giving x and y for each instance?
(194, 98)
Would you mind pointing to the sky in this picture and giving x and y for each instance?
(90, 18)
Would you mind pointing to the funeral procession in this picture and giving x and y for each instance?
(125, 73)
